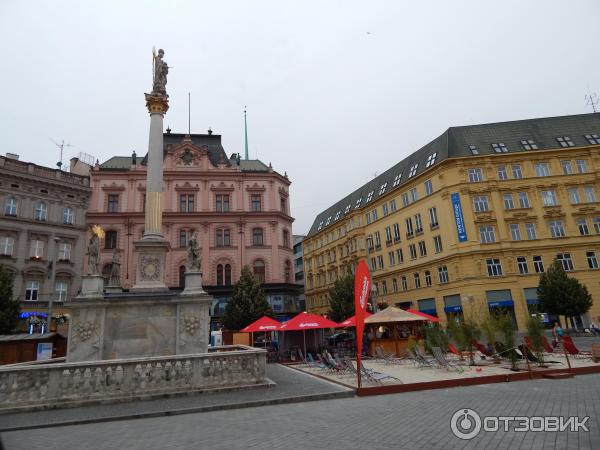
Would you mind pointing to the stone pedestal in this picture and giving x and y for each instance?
(92, 286)
(150, 265)
(193, 284)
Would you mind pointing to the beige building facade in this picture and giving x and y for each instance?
(470, 221)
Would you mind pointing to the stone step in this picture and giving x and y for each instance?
(558, 376)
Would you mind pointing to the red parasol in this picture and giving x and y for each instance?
(422, 314)
(351, 321)
(306, 321)
(263, 324)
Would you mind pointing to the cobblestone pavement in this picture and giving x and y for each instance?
(411, 420)
(290, 385)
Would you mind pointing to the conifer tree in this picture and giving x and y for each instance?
(9, 306)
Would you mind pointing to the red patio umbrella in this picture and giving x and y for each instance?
(263, 324)
(351, 321)
(422, 314)
(305, 321)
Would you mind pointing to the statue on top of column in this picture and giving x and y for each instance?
(194, 261)
(161, 69)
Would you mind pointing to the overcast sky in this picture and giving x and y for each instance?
(336, 90)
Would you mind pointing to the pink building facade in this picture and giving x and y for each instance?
(239, 210)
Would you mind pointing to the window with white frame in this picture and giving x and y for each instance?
(582, 226)
(32, 289)
(413, 170)
(557, 228)
(487, 234)
(358, 202)
(405, 201)
(413, 195)
(396, 228)
(508, 201)
(337, 215)
(327, 221)
(64, 251)
(370, 196)
(377, 240)
(531, 231)
(596, 224)
(474, 150)
(41, 211)
(528, 144)
(392, 258)
(549, 198)
(538, 264)
(394, 285)
(502, 175)
(590, 194)
(347, 209)
(409, 227)
(515, 231)
(592, 138)
(566, 261)
(523, 200)
(481, 203)
(517, 172)
(7, 245)
(522, 265)
(422, 249)
(431, 160)
(574, 196)
(475, 175)
(68, 216)
(494, 267)
(437, 244)
(565, 141)
(428, 187)
(384, 287)
(542, 169)
(388, 235)
(499, 147)
(10, 206)
(427, 278)
(591, 259)
(382, 188)
(397, 179)
(385, 209)
(412, 248)
(404, 283)
(443, 274)
(417, 280)
(61, 290)
(418, 223)
(393, 207)
(380, 262)
(399, 256)
(566, 167)
(320, 225)
(433, 219)
(36, 249)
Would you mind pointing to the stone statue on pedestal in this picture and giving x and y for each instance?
(194, 261)
(93, 254)
(115, 271)
(161, 69)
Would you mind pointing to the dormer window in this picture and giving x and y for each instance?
(565, 141)
(592, 138)
(499, 147)
(413, 170)
(528, 144)
(328, 220)
(370, 196)
(358, 202)
(347, 209)
(337, 215)
(382, 188)
(474, 150)
(397, 179)
(320, 225)
(431, 160)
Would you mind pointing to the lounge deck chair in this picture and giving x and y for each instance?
(376, 377)
(439, 356)
(482, 349)
(452, 349)
(547, 347)
(315, 364)
(420, 359)
(387, 358)
(572, 349)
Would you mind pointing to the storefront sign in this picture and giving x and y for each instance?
(458, 217)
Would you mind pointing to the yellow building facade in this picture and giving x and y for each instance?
(468, 223)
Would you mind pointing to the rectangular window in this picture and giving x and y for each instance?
(404, 283)
(10, 207)
(574, 196)
(380, 262)
(538, 264)
(417, 280)
(396, 232)
(542, 169)
(222, 202)
(394, 285)
(400, 256)
(186, 203)
(487, 234)
(549, 198)
(405, 201)
(566, 261)
(31, 290)
(494, 267)
(515, 231)
(422, 249)
(522, 265)
(7, 244)
(413, 195)
(433, 219)
(68, 216)
(373, 264)
(530, 230)
(61, 289)
(256, 202)
(377, 240)
(392, 258)
(523, 199)
(182, 238)
(528, 144)
(583, 227)
(385, 209)
(474, 150)
(427, 278)
(113, 203)
(565, 141)
(388, 235)
(409, 228)
(557, 228)
(591, 260)
(64, 251)
(374, 215)
(508, 201)
(368, 218)
(590, 194)
(384, 287)
(428, 187)
(475, 175)
(502, 175)
(437, 244)
(566, 167)
(499, 147)
(393, 207)
(592, 138)
(36, 249)
(596, 224)
(418, 224)
(412, 248)
(481, 203)
(443, 274)
(517, 172)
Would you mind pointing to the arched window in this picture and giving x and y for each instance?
(10, 207)
(183, 237)
(257, 236)
(41, 211)
(223, 237)
(286, 238)
(287, 272)
(259, 270)
(68, 216)
(110, 240)
(181, 276)
(227, 275)
(220, 275)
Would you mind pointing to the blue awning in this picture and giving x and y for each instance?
(501, 304)
(431, 312)
(451, 309)
(533, 301)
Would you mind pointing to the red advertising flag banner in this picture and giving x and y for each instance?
(362, 287)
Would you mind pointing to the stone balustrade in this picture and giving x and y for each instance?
(76, 384)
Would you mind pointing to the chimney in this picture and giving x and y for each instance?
(12, 156)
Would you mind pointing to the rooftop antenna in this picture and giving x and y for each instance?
(62, 145)
(189, 112)
(246, 133)
(592, 100)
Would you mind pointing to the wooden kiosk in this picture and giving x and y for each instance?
(391, 329)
